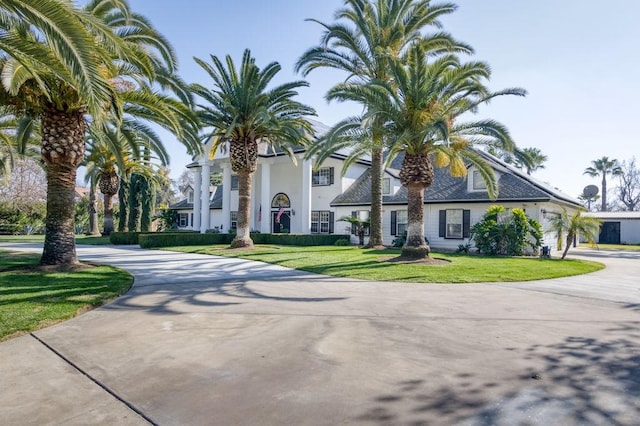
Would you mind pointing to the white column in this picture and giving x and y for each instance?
(204, 198)
(305, 214)
(197, 199)
(226, 198)
(265, 198)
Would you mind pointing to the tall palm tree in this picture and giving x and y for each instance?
(367, 36)
(242, 112)
(123, 66)
(421, 109)
(569, 227)
(603, 167)
(529, 159)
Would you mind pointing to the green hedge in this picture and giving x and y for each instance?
(167, 239)
(124, 238)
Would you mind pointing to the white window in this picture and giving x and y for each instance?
(234, 182)
(322, 177)
(478, 182)
(320, 222)
(386, 186)
(234, 220)
(454, 223)
(402, 220)
(190, 196)
(183, 220)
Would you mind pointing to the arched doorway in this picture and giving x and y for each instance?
(281, 214)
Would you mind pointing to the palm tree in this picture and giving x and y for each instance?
(120, 68)
(368, 35)
(242, 112)
(572, 226)
(529, 159)
(421, 108)
(358, 225)
(603, 167)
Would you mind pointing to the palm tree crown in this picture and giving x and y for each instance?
(366, 37)
(242, 111)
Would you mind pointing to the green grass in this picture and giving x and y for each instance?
(31, 299)
(371, 265)
(80, 239)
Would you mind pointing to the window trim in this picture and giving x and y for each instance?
(232, 221)
(183, 220)
(318, 174)
(319, 222)
(386, 182)
(235, 182)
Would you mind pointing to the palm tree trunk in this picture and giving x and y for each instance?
(375, 219)
(243, 238)
(569, 241)
(604, 192)
(416, 246)
(108, 214)
(93, 209)
(62, 152)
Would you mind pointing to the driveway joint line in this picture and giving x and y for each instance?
(554, 292)
(96, 381)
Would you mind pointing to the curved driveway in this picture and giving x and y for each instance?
(204, 340)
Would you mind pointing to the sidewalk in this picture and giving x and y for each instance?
(207, 340)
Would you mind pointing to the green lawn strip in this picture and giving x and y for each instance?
(32, 299)
(371, 265)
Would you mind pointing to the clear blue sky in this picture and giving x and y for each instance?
(578, 59)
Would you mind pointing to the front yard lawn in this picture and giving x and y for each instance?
(31, 298)
(368, 264)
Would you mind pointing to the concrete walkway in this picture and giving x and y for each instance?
(203, 340)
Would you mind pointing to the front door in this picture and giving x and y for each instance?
(281, 222)
(610, 233)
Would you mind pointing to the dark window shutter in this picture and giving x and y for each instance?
(191, 218)
(330, 175)
(442, 224)
(331, 218)
(394, 222)
(353, 225)
(466, 223)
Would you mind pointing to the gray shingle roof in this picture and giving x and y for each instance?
(216, 201)
(513, 186)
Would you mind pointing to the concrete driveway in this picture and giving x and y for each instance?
(204, 340)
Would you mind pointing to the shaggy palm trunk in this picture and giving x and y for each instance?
(123, 208)
(416, 174)
(243, 154)
(93, 209)
(62, 152)
(109, 184)
(375, 219)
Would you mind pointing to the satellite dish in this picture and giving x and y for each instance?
(590, 191)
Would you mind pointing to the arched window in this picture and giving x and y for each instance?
(281, 200)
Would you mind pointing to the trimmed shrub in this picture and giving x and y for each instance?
(123, 238)
(503, 233)
(167, 239)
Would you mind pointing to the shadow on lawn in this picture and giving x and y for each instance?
(581, 381)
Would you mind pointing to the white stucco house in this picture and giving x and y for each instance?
(295, 198)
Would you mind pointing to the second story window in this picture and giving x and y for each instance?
(234, 182)
(386, 186)
(322, 177)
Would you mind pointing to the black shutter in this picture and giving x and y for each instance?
(331, 218)
(191, 219)
(442, 224)
(394, 222)
(330, 175)
(466, 223)
(353, 225)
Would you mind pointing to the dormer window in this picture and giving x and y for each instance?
(477, 182)
(190, 196)
(234, 182)
(386, 186)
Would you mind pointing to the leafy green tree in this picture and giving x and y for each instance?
(603, 167)
(421, 109)
(366, 37)
(571, 226)
(242, 111)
